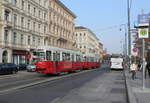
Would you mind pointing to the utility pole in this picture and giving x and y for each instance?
(129, 33)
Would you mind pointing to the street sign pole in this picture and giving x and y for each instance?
(143, 58)
(143, 34)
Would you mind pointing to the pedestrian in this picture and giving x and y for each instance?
(134, 68)
(148, 69)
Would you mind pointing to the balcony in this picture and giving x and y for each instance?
(8, 24)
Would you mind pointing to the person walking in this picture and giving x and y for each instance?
(134, 68)
(148, 69)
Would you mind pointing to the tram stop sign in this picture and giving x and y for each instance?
(135, 51)
(143, 33)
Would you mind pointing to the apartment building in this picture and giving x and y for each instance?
(87, 42)
(23, 27)
(61, 25)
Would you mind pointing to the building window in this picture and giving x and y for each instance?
(44, 29)
(7, 12)
(44, 16)
(28, 24)
(22, 21)
(22, 4)
(34, 11)
(21, 38)
(6, 35)
(80, 34)
(39, 13)
(14, 37)
(39, 27)
(29, 40)
(39, 41)
(15, 2)
(34, 26)
(33, 40)
(29, 8)
(15, 18)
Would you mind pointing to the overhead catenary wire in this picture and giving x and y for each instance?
(108, 28)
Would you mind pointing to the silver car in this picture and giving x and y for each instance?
(31, 67)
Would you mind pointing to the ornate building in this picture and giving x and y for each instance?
(87, 42)
(23, 26)
(61, 25)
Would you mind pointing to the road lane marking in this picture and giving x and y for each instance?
(9, 76)
(6, 84)
(55, 100)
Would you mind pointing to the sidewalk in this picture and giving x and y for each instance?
(134, 88)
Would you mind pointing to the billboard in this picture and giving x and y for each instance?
(143, 19)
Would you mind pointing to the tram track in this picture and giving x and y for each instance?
(35, 81)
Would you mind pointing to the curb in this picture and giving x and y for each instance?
(130, 95)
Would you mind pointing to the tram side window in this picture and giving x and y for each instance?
(54, 56)
(78, 57)
(58, 56)
(48, 55)
(63, 56)
(72, 57)
(68, 57)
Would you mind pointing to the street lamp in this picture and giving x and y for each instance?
(125, 37)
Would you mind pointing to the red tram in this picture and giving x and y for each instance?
(53, 60)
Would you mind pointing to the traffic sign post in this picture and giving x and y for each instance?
(143, 33)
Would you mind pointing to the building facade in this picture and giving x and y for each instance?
(23, 27)
(87, 42)
(61, 25)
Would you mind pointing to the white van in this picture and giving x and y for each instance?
(116, 63)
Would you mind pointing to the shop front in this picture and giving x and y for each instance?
(21, 57)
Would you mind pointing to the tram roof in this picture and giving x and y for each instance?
(58, 49)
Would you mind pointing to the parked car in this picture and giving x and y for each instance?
(6, 68)
(22, 66)
(31, 67)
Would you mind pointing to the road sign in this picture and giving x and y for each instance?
(143, 33)
(135, 51)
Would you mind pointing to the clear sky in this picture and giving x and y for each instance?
(103, 17)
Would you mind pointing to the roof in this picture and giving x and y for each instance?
(84, 28)
(67, 9)
(80, 27)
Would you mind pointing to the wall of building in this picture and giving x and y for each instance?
(24, 26)
(61, 25)
(87, 42)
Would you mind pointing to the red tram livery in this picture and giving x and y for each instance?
(53, 60)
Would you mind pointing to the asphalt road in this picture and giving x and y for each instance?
(109, 85)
